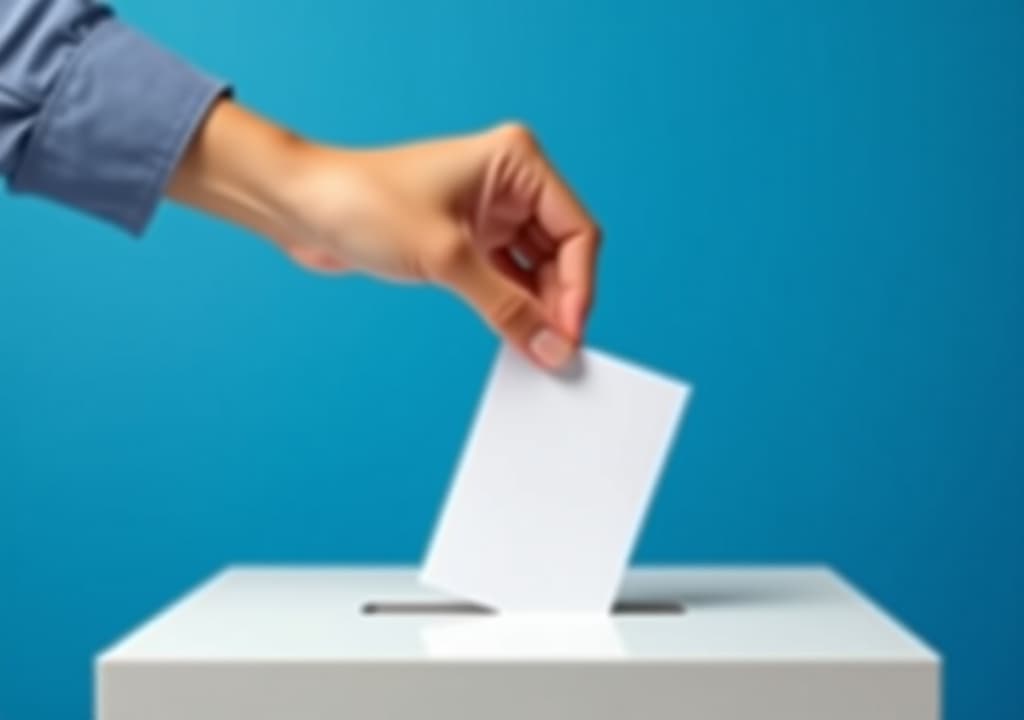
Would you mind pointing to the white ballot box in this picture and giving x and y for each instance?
(339, 643)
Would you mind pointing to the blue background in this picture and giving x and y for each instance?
(814, 211)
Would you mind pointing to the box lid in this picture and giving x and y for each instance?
(268, 614)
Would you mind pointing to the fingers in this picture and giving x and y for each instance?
(505, 260)
(505, 305)
(561, 222)
(562, 218)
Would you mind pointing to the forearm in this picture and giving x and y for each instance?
(244, 169)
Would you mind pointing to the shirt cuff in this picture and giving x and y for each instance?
(115, 126)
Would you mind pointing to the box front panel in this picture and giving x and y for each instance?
(513, 691)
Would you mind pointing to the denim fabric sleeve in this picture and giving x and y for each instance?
(93, 114)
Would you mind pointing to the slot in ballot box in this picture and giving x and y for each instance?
(338, 643)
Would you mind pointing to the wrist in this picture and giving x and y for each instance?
(245, 170)
(282, 185)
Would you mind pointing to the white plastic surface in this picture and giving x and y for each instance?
(779, 644)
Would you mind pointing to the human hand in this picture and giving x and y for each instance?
(484, 215)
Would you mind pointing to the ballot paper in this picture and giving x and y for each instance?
(553, 485)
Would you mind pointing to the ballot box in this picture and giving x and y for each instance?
(267, 643)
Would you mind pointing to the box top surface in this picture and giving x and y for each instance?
(255, 614)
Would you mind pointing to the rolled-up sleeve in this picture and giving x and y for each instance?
(93, 114)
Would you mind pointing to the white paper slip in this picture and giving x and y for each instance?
(553, 485)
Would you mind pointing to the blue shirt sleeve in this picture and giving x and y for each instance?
(93, 114)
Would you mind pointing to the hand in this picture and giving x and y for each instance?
(484, 215)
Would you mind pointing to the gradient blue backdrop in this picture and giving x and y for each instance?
(814, 210)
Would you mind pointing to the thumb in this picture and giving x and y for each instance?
(506, 306)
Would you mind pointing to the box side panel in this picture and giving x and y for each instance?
(459, 691)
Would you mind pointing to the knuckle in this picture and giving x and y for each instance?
(510, 312)
(595, 235)
(517, 134)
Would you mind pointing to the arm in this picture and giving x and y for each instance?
(97, 117)
(484, 215)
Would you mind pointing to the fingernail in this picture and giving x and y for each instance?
(550, 348)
